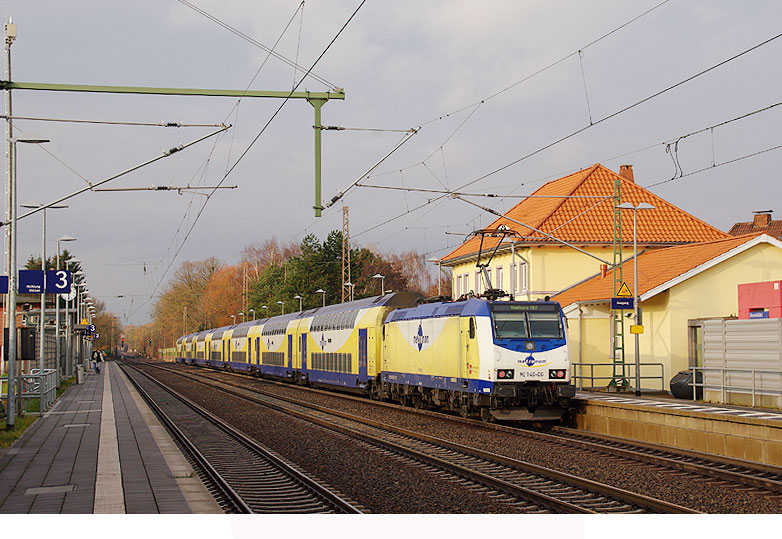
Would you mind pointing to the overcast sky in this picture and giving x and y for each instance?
(402, 64)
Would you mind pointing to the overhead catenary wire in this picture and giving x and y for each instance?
(595, 123)
(249, 147)
(110, 122)
(239, 33)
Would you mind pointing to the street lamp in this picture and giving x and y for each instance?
(382, 283)
(233, 322)
(57, 307)
(33, 205)
(323, 292)
(11, 244)
(267, 310)
(242, 315)
(252, 311)
(280, 303)
(641, 206)
(298, 297)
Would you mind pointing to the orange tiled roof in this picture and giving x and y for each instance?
(655, 268)
(774, 228)
(591, 220)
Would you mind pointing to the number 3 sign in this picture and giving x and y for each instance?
(58, 282)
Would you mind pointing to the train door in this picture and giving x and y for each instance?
(468, 350)
(290, 351)
(303, 351)
(362, 355)
(226, 351)
(258, 351)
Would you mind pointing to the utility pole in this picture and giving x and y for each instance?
(10, 233)
(345, 252)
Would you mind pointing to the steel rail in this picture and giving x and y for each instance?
(212, 474)
(635, 499)
(327, 496)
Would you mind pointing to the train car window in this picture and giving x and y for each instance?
(545, 325)
(472, 327)
(384, 332)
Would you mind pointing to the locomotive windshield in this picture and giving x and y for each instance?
(527, 320)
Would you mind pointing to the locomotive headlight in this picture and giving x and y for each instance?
(529, 346)
(557, 374)
(505, 374)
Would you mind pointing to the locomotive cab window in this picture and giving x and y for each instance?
(545, 325)
(510, 325)
(472, 327)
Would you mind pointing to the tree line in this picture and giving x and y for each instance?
(205, 294)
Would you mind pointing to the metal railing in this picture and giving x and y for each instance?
(31, 387)
(577, 373)
(724, 387)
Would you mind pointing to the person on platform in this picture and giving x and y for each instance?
(96, 361)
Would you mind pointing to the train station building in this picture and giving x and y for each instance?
(688, 269)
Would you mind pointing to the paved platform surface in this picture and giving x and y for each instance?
(99, 450)
(670, 403)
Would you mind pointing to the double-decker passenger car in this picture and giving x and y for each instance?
(491, 359)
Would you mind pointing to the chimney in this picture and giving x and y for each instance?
(762, 218)
(626, 171)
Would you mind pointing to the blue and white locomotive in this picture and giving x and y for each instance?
(489, 359)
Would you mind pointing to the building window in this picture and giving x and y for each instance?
(522, 274)
(457, 286)
(477, 283)
(498, 272)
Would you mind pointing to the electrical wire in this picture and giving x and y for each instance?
(239, 33)
(249, 147)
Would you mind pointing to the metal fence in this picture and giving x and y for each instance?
(31, 388)
(727, 380)
(578, 375)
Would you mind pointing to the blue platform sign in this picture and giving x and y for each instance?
(758, 314)
(621, 303)
(3, 284)
(30, 281)
(58, 282)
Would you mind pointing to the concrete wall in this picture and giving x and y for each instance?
(754, 440)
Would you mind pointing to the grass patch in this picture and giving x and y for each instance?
(21, 423)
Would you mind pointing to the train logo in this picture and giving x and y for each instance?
(420, 339)
(322, 341)
(530, 361)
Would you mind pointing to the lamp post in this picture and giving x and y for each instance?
(57, 308)
(298, 297)
(41, 357)
(267, 310)
(281, 304)
(241, 313)
(252, 311)
(11, 240)
(382, 283)
(233, 322)
(323, 293)
(641, 206)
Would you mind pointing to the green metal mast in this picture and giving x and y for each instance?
(619, 380)
(316, 99)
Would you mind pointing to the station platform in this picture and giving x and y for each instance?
(742, 433)
(99, 450)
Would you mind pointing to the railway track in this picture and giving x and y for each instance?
(546, 489)
(245, 477)
(726, 472)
